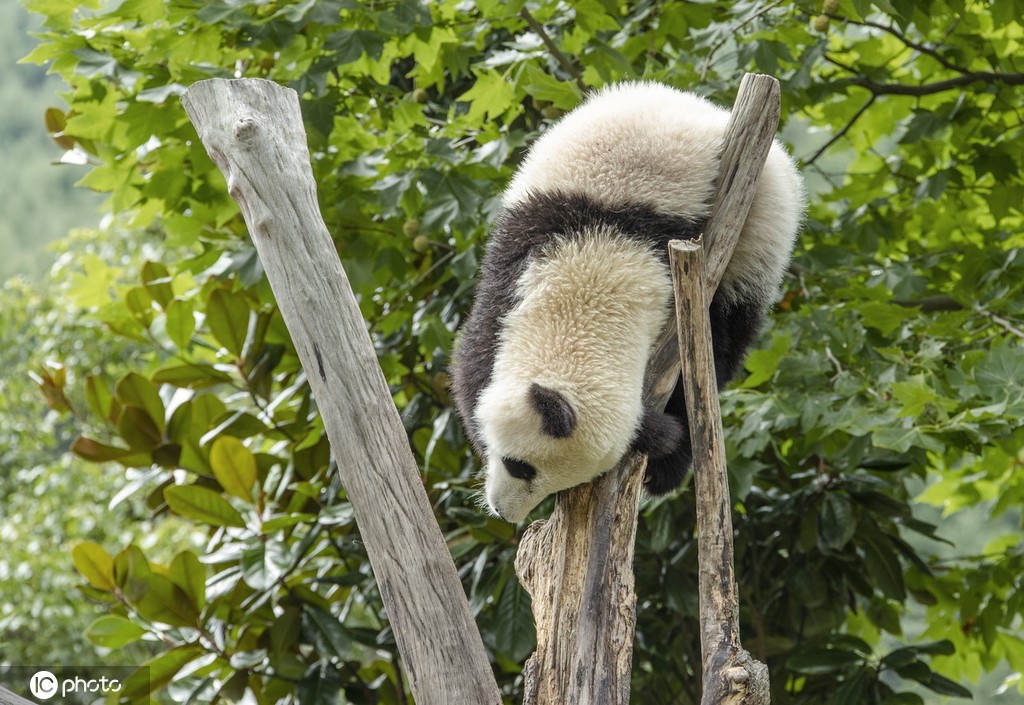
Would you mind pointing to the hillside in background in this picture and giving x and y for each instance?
(41, 204)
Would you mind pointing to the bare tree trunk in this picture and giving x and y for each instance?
(577, 565)
(253, 131)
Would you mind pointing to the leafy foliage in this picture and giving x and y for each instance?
(895, 357)
(41, 203)
(49, 500)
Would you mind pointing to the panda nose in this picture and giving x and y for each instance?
(519, 469)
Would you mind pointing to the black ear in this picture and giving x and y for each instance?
(659, 434)
(557, 417)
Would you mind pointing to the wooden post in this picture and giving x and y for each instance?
(578, 565)
(730, 675)
(253, 131)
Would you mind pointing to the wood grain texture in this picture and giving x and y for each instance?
(730, 675)
(578, 565)
(8, 697)
(253, 131)
(748, 138)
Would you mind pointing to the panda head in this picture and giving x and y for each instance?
(541, 439)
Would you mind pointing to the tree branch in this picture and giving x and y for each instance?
(253, 131)
(929, 51)
(877, 89)
(845, 129)
(560, 57)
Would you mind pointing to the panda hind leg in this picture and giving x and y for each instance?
(665, 437)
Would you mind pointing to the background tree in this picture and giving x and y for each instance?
(890, 381)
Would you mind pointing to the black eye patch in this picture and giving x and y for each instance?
(519, 469)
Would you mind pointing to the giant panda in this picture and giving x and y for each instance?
(574, 288)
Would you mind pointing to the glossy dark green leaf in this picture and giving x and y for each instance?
(190, 575)
(203, 505)
(113, 632)
(181, 323)
(327, 633)
(138, 391)
(823, 661)
(234, 466)
(836, 521)
(227, 315)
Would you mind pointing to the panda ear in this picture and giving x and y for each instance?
(557, 417)
(659, 434)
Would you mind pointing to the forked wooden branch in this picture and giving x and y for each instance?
(578, 565)
(253, 131)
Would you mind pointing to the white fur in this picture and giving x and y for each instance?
(600, 301)
(651, 144)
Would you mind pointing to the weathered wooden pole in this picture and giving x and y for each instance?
(730, 675)
(253, 131)
(578, 565)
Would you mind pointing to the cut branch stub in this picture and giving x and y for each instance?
(253, 131)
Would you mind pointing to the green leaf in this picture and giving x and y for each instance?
(96, 452)
(762, 364)
(490, 96)
(265, 563)
(113, 632)
(227, 315)
(163, 601)
(1001, 372)
(181, 323)
(99, 398)
(131, 572)
(157, 672)
(138, 391)
(320, 685)
(904, 699)
(351, 44)
(202, 505)
(884, 567)
(284, 643)
(234, 466)
(542, 86)
(329, 636)
(190, 376)
(854, 689)
(139, 430)
(190, 575)
(514, 622)
(94, 563)
(823, 661)
(836, 521)
(885, 317)
(157, 280)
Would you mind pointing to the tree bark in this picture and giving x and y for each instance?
(730, 675)
(253, 131)
(578, 565)
(8, 697)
